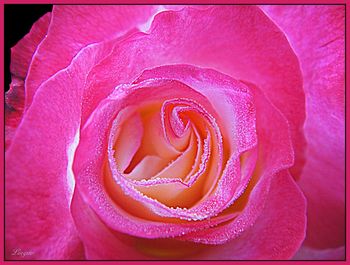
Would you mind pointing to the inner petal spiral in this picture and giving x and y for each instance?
(170, 152)
(171, 155)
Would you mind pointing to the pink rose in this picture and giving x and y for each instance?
(169, 132)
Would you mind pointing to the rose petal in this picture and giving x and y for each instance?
(38, 185)
(229, 98)
(275, 153)
(236, 112)
(176, 169)
(148, 167)
(322, 60)
(278, 232)
(22, 52)
(21, 56)
(87, 170)
(49, 157)
(67, 35)
(105, 244)
(99, 241)
(129, 139)
(283, 216)
(220, 38)
(218, 200)
(216, 153)
(171, 185)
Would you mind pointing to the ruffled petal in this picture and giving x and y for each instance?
(219, 38)
(100, 242)
(22, 52)
(88, 164)
(72, 28)
(230, 99)
(275, 153)
(283, 218)
(316, 33)
(21, 56)
(38, 175)
(278, 232)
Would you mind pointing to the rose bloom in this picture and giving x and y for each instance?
(177, 132)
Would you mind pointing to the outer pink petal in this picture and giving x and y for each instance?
(72, 28)
(277, 233)
(274, 154)
(38, 175)
(21, 56)
(99, 241)
(283, 217)
(22, 52)
(316, 33)
(102, 243)
(219, 38)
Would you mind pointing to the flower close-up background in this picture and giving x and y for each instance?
(177, 133)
